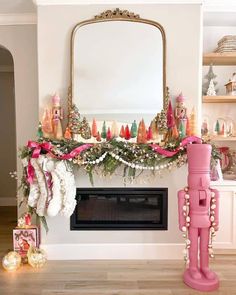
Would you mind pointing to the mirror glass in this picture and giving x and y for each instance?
(117, 70)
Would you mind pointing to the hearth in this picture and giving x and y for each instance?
(120, 209)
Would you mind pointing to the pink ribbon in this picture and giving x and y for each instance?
(30, 173)
(184, 142)
(74, 152)
(163, 152)
(191, 139)
(47, 146)
(37, 147)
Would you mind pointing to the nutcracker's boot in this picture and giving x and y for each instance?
(193, 254)
(204, 255)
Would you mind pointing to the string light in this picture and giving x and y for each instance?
(212, 232)
(185, 228)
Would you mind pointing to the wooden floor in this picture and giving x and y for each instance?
(104, 277)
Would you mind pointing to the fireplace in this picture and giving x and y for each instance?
(120, 209)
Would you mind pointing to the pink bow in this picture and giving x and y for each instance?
(47, 146)
(37, 147)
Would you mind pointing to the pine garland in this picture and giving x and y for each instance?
(108, 157)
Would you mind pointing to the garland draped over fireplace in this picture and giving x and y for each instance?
(48, 182)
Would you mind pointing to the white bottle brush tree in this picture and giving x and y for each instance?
(210, 76)
(211, 89)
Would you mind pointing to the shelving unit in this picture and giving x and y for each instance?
(219, 99)
(219, 59)
(217, 26)
(221, 138)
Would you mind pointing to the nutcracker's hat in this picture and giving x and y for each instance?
(199, 158)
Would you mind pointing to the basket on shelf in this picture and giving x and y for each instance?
(226, 44)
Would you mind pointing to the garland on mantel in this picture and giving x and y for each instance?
(60, 157)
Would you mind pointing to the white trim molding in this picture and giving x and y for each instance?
(208, 5)
(18, 19)
(119, 2)
(113, 251)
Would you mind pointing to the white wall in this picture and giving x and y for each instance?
(8, 134)
(182, 24)
(21, 42)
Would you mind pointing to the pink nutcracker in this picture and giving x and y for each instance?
(181, 114)
(199, 218)
(57, 116)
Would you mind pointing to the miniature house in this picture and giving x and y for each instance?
(231, 87)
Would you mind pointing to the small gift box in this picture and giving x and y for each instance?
(24, 237)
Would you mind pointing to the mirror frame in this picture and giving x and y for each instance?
(116, 15)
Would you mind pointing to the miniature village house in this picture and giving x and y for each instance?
(231, 86)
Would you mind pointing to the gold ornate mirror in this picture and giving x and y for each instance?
(118, 67)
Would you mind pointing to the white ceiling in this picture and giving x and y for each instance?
(17, 6)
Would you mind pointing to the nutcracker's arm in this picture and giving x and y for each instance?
(181, 202)
(216, 209)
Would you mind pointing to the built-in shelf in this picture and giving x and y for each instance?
(219, 99)
(222, 138)
(220, 59)
(224, 182)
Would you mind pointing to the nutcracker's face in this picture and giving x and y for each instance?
(199, 181)
(181, 111)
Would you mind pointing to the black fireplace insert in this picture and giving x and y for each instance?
(120, 209)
